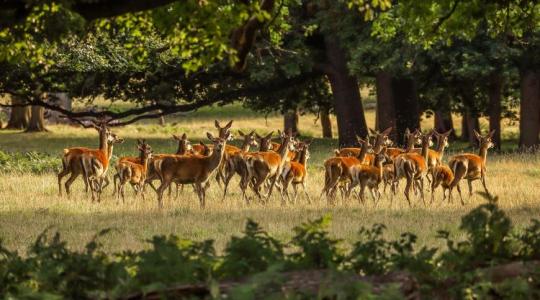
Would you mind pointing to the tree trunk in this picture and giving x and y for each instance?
(20, 116)
(37, 120)
(529, 124)
(290, 121)
(386, 112)
(326, 124)
(443, 122)
(346, 92)
(494, 109)
(407, 107)
(464, 130)
(471, 123)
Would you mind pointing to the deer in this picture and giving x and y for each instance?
(222, 132)
(265, 165)
(413, 166)
(134, 173)
(443, 176)
(193, 169)
(235, 163)
(380, 139)
(337, 169)
(471, 166)
(369, 176)
(295, 172)
(71, 159)
(435, 156)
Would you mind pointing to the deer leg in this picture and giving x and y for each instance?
(362, 190)
(460, 197)
(295, 189)
(408, 190)
(164, 185)
(226, 181)
(61, 175)
(470, 187)
(483, 178)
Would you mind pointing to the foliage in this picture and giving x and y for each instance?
(28, 162)
(50, 269)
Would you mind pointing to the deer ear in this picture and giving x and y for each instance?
(269, 136)
(373, 132)
(387, 131)
(477, 135)
(210, 136)
(228, 124)
(184, 136)
(360, 140)
(202, 144)
(175, 137)
(216, 123)
(241, 133)
(139, 142)
(258, 136)
(407, 131)
(448, 132)
(491, 133)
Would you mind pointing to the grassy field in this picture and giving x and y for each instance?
(29, 202)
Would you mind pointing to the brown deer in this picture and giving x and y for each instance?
(337, 170)
(267, 165)
(369, 176)
(235, 163)
(71, 159)
(193, 169)
(443, 176)
(295, 172)
(413, 166)
(471, 166)
(134, 173)
(435, 156)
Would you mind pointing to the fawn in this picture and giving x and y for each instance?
(369, 176)
(295, 172)
(134, 173)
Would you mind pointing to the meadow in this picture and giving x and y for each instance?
(29, 201)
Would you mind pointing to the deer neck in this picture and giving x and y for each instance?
(363, 152)
(440, 148)
(483, 153)
(379, 166)
(425, 148)
(410, 144)
(216, 158)
(303, 158)
(245, 146)
(109, 150)
(144, 162)
(103, 143)
(181, 148)
(284, 150)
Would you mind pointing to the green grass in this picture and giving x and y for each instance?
(29, 201)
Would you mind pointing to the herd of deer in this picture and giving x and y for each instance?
(277, 165)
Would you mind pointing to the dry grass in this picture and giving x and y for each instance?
(29, 203)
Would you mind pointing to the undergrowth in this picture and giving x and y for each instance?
(51, 270)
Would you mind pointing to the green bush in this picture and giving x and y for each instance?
(51, 270)
(32, 161)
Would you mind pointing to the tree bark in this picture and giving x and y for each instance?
(472, 123)
(326, 124)
(20, 116)
(443, 122)
(494, 109)
(37, 120)
(529, 124)
(290, 121)
(407, 107)
(386, 111)
(346, 92)
(464, 129)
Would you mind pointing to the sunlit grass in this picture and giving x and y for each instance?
(29, 203)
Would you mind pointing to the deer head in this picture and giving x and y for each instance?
(222, 131)
(485, 141)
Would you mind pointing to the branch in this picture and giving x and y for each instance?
(148, 112)
(446, 17)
